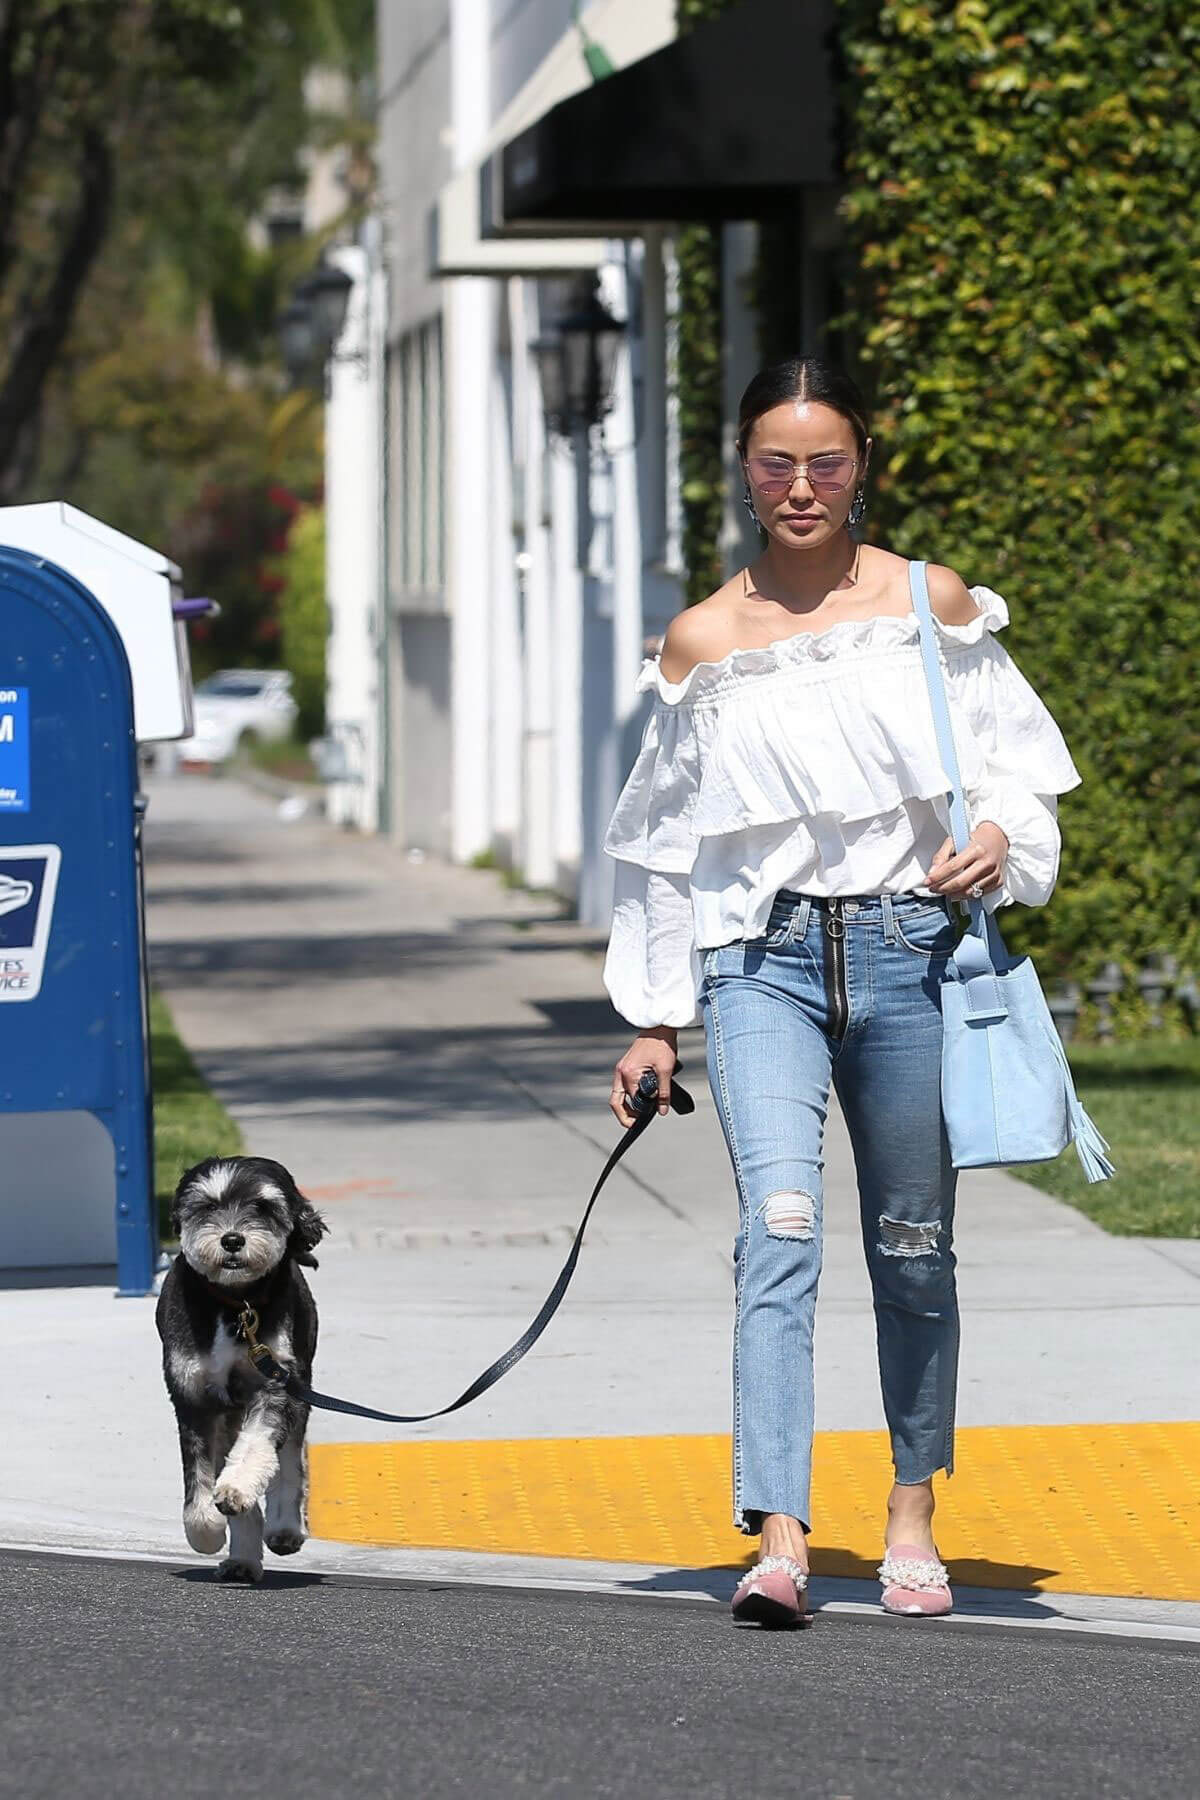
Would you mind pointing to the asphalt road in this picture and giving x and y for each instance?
(146, 1680)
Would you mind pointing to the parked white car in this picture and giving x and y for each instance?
(236, 706)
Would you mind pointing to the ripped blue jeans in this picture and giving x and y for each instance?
(843, 990)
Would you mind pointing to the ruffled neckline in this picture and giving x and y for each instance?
(847, 636)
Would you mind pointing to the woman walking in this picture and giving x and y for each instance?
(784, 867)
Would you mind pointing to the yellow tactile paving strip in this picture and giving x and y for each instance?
(1086, 1509)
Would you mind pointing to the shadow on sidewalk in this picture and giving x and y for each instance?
(206, 848)
(253, 893)
(273, 962)
(406, 1076)
(971, 1571)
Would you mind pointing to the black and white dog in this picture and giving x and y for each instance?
(244, 1230)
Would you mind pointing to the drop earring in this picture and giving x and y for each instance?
(748, 503)
(858, 511)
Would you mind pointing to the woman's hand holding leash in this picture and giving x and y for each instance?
(652, 1052)
(646, 1100)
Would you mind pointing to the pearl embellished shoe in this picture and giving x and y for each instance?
(771, 1594)
(915, 1584)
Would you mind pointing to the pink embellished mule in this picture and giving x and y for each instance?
(771, 1594)
(915, 1584)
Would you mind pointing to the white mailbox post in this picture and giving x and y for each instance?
(136, 587)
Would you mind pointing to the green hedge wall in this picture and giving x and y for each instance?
(698, 249)
(1023, 274)
(304, 618)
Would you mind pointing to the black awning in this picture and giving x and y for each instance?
(725, 123)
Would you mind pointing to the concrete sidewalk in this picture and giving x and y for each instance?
(430, 1054)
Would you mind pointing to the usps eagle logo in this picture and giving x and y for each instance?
(14, 894)
(28, 880)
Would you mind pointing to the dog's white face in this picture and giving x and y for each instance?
(235, 1219)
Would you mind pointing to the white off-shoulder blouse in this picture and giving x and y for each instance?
(812, 764)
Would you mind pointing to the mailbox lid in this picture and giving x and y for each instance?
(135, 585)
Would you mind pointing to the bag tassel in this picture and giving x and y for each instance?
(1090, 1145)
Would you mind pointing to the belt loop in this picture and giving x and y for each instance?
(800, 919)
(889, 919)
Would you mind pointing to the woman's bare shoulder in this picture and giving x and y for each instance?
(949, 596)
(702, 633)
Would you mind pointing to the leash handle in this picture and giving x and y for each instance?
(681, 1102)
(644, 1099)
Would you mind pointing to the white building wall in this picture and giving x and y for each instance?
(415, 142)
(415, 161)
(565, 568)
(505, 672)
(467, 376)
(352, 546)
(470, 311)
(536, 848)
(558, 559)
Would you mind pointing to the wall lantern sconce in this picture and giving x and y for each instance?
(311, 324)
(577, 361)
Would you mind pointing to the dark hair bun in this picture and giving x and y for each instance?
(803, 378)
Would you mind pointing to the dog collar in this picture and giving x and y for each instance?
(252, 1296)
(256, 1292)
(245, 1303)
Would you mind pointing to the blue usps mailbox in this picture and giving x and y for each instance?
(75, 1118)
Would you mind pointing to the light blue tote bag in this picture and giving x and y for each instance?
(1007, 1091)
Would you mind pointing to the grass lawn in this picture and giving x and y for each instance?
(288, 758)
(189, 1122)
(1145, 1099)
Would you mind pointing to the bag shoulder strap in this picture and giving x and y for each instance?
(918, 581)
(980, 950)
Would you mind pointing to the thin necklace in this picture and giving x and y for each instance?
(852, 572)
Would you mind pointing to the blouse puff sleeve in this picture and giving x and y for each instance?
(1026, 757)
(652, 969)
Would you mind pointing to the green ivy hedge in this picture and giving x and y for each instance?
(701, 477)
(304, 618)
(1023, 266)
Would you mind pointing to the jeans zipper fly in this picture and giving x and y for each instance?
(835, 931)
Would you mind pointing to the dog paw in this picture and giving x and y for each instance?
(204, 1530)
(285, 1543)
(230, 1497)
(240, 1574)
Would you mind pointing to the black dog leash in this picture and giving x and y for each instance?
(644, 1103)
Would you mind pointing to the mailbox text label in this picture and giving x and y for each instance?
(14, 749)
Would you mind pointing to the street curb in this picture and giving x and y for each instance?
(1032, 1611)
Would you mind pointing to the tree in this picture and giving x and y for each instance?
(77, 82)
(157, 126)
(142, 381)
